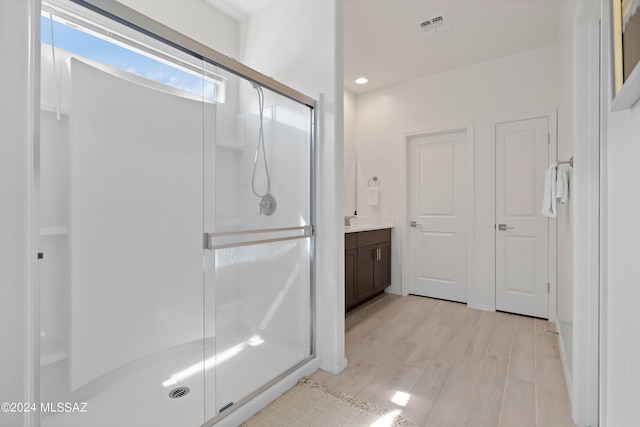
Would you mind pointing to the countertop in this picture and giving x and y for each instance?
(363, 227)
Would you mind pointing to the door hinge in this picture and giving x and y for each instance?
(548, 138)
(548, 288)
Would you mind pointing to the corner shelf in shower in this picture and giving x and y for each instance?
(52, 355)
(229, 146)
(54, 231)
(235, 303)
(48, 108)
(229, 225)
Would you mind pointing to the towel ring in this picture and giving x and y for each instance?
(375, 181)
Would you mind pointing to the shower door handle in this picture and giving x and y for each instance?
(207, 243)
(234, 239)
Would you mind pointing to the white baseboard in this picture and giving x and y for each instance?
(480, 307)
(563, 359)
(336, 368)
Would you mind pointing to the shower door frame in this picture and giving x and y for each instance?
(129, 17)
(136, 20)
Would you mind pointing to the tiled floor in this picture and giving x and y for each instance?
(456, 365)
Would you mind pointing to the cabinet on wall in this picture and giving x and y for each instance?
(367, 265)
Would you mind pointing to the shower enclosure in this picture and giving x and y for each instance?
(171, 292)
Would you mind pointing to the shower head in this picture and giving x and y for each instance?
(267, 200)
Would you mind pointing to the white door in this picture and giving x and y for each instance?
(438, 206)
(522, 233)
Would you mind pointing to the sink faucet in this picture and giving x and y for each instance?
(347, 220)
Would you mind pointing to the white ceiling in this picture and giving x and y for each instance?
(383, 39)
(240, 9)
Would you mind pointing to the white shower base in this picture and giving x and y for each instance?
(135, 395)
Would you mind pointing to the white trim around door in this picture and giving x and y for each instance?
(588, 335)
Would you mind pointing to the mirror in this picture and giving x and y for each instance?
(349, 182)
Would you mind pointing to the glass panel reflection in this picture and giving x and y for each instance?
(257, 275)
(262, 314)
(262, 159)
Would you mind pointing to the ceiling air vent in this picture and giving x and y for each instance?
(434, 24)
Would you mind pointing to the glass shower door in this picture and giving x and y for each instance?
(258, 267)
(121, 180)
(176, 229)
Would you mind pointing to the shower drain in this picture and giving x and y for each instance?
(179, 392)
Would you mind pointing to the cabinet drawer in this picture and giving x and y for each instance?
(373, 237)
(350, 241)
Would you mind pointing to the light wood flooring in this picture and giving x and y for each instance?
(460, 367)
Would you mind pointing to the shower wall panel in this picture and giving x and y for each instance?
(286, 135)
(135, 222)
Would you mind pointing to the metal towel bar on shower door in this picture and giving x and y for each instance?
(307, 231)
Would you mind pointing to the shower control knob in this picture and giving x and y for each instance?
(268, 204)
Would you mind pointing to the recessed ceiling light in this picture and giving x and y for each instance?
(361, 80)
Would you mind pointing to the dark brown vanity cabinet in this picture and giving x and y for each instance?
(367, 265)
(350, 269)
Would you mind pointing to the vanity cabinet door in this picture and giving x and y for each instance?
(350, 277)
(383, 277)
(367, 266)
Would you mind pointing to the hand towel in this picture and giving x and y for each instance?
(373, 195)
(549, 196)
(562, 184)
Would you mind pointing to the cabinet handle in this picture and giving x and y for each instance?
(378, 254)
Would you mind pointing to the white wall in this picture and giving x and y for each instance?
(621, 281)
(349, 120)
(194, 18)
(623, 269)
(566, 27)
(16, 252)
(350, 158)
(525, 82)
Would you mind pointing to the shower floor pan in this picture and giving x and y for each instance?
(137, 395)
